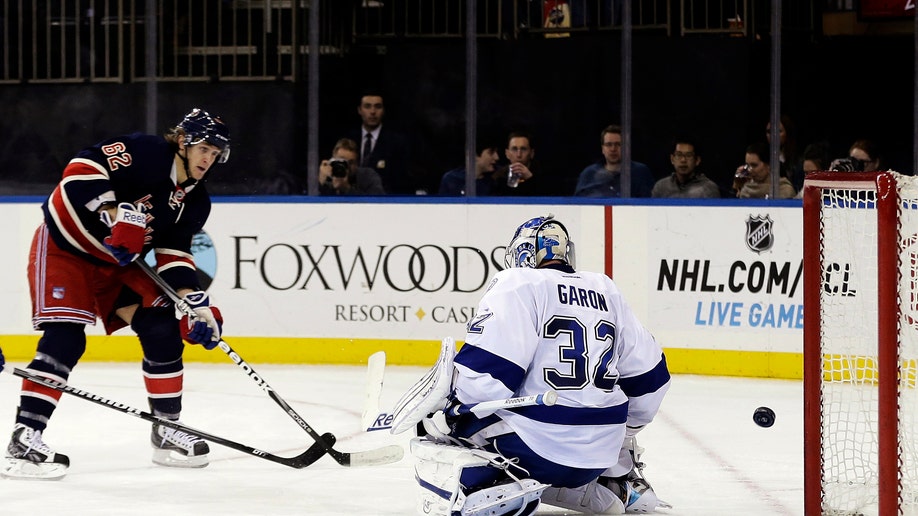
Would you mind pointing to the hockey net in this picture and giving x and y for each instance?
(860, 343)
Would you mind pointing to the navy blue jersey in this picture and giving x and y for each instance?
(137, 169)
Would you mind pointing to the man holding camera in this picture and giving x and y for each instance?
(340, 175)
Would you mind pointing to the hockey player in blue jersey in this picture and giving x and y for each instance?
(117, 200)
(540, 326)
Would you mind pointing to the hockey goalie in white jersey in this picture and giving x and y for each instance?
(541, 326)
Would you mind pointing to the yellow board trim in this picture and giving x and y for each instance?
(754, 364)
(267, 350)
(277, 350)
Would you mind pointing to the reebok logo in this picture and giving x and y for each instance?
(134, 217)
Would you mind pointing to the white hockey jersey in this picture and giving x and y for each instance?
(554, 328)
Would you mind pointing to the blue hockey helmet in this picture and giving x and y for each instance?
(200, 126)
(538, 240)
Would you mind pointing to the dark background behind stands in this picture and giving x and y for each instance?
(562, 90)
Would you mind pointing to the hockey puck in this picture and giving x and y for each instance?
(764, 417)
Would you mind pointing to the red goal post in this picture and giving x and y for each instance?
(860, 251)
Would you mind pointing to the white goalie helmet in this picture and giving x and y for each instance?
(538, 240)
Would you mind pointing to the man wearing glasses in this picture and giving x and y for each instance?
(522, 175)
(604, 178)
(685, 181)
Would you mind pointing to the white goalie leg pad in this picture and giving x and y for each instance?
(515, 498)
(438, 470)
(429, 394)
(591, 498)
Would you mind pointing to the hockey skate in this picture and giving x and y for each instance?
(178, 449)
(634, 492)
(28, 457)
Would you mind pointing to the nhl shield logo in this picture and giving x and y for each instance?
(759, 237)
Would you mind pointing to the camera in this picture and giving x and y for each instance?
(743, 172)
(847, 165)
(340, 167)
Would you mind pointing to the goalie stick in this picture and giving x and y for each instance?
(383, 455)
(548, 398)
(314, 453)
(372, 419)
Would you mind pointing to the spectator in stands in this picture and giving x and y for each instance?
(522, 176)
(815, 158)
(686, 180)
(486, 158)
(383, 148)
(341, 175)
(787, 138)
(753, 178)
(868, 152)
(863, 156)
(603, 178)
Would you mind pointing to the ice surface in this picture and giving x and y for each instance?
(704, 453)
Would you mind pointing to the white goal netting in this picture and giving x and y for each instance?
(851, 326)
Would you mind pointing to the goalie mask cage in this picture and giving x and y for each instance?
(860, 256)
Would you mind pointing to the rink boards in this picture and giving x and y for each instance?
(719, 283)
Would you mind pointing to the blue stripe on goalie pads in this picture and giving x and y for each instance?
(442, 493)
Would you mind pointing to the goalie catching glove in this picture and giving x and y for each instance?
(129, 229)
(206, 325)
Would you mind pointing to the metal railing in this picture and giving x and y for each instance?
(507, 19)
(201, 40)
(104, 40)
(511, 19)
(61, 41)
(424, 18)
(744, 18)
(558, 19)
(720, 16)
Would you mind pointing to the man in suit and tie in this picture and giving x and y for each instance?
(383, 149)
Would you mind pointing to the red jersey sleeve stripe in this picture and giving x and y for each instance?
(68, 222)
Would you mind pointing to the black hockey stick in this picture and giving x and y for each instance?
(383, 455)
(314, 453)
